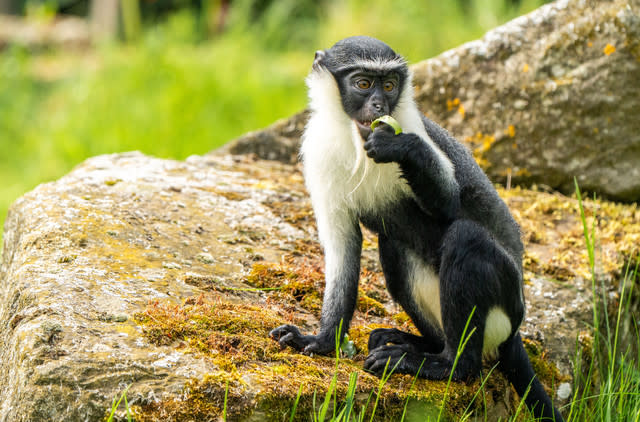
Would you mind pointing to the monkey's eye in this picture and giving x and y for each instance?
(363, 83)
(389, 85)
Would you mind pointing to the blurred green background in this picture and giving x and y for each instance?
(183, 77)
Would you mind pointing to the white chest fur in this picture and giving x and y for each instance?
(337, 169)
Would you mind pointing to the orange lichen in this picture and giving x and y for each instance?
(461, 110)
(609, 49)
(451, 104)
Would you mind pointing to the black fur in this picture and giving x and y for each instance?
(453, 223)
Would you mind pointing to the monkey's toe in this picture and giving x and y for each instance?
(382, 336)
(289, 335)
(386, 359)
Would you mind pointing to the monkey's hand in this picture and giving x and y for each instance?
(384, 146)
(289, 335)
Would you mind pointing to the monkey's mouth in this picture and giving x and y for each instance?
(364, 127)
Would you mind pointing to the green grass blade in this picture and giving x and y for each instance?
(126, 406)
(413, 382)
(115, 405)
(381, 382)
(588, 239)
(351, 394)
(295, 404)
(463, 342)
(224, 408)
(466, 414)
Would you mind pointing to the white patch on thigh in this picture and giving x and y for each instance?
(425, 288)
(497, 329)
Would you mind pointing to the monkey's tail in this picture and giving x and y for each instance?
(515, 364)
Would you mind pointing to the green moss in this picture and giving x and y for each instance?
(229, 333)
(545, 370)
(359, 334)
(234, 338)
(401, 318)
(66, 259)
(369, 305)
(203, 400)
(301, 283)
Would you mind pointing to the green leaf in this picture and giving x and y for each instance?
(389, 121)
(347, 347)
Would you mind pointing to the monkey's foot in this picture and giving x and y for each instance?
(403, 359)
(290, 335)
(382, 336)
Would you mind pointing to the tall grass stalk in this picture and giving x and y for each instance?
(345, 412)
(381, 382)
(295, 404)
(116, 403)
(224, 407)
(466, 415)
(611, 389)
(413, 383)
(461, 345)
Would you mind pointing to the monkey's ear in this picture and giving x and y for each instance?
(320, 54)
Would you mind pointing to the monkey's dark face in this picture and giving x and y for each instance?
(370, 77)
(367, 95)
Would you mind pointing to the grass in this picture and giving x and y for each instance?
(116, 403)
(171, 96)
(610, 390)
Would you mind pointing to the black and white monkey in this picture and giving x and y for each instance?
(449, 247)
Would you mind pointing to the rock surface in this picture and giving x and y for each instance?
(166, 276)
(549, 96)
(545, 98)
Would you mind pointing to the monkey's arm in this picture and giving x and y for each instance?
(342, 241)
(427, 170)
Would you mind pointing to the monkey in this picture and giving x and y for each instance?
(449, 248)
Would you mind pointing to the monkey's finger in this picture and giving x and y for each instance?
(368, 144)
(283, 330)
(294, 340)
(320, 347)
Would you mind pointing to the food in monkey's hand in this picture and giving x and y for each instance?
(389, 121)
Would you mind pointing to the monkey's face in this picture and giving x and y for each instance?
(367, 95)
(370, 77)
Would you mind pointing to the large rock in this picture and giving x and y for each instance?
(166, 276)
(545, 98)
